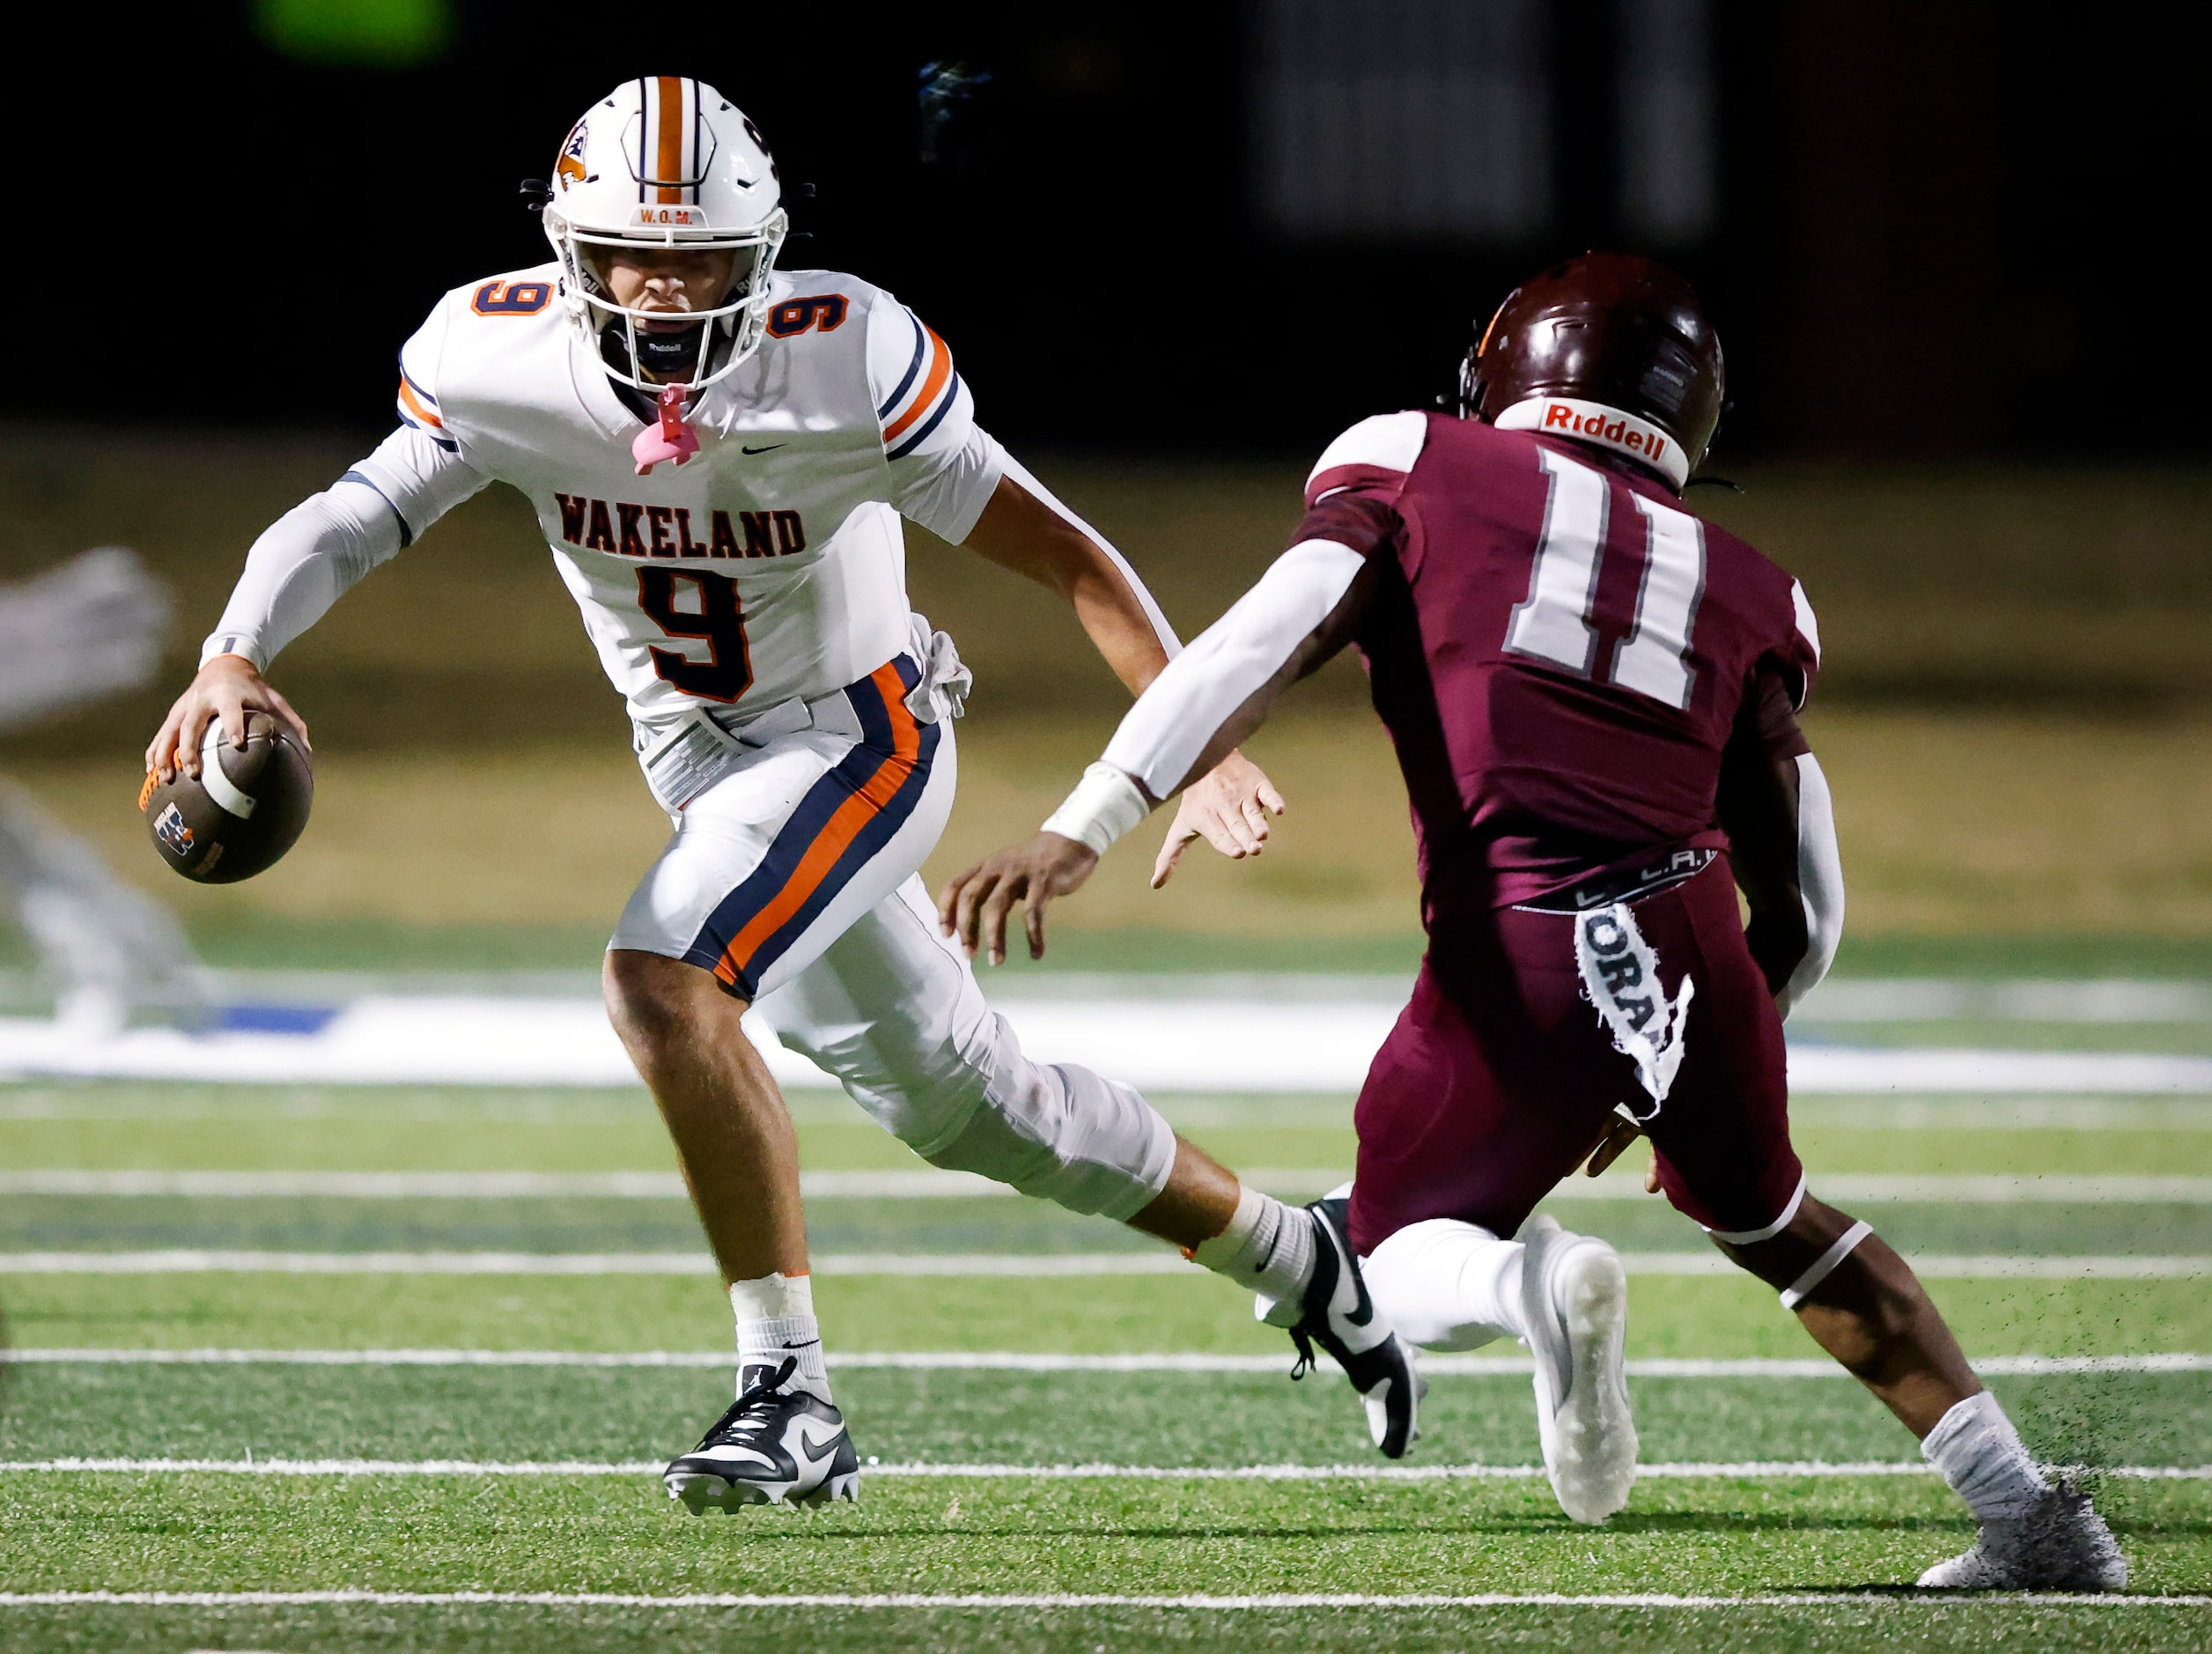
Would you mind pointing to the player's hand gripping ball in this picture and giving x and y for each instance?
(237, 816)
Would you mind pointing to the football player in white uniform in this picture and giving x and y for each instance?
(718, 452)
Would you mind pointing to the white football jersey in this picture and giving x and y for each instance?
(770, 565)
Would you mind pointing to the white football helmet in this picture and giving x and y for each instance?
(666, 161)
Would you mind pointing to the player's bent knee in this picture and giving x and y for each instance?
(1817, 1244)
(650, 998)
(1066, 1174)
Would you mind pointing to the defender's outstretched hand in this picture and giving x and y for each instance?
(974, 906)
(1228, 806)
(225, 689)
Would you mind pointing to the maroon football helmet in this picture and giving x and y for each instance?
(1608, 349)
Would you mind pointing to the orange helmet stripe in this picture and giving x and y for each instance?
(668, 161)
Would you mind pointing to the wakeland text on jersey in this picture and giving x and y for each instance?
(665, 531)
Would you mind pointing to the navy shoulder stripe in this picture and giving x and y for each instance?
(921, 346)
(944, 407)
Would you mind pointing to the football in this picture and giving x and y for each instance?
(245, 810)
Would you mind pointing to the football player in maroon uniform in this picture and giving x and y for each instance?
(1593, 698)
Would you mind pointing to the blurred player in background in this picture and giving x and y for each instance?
(1593, 698)
(718, 452)
(91, 628)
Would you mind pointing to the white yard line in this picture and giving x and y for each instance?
(548, 1106)
(1273, 1601)
(918, 1184)
(1693, 1471)
(1030, 1266)
(1022, 1360)
(1162, 1041)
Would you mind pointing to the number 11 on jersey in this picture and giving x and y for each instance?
(1553, 623)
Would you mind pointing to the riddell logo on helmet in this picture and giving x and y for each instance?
(1595, 422)
(1560, 418)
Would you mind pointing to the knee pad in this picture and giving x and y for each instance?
(1063, 1133)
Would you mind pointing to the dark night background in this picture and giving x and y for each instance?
(1937, 230)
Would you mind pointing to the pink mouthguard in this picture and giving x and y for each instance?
(670, 439)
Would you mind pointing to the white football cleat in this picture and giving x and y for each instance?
(1574, 1302)
(2059, 1545)
(774, 1446)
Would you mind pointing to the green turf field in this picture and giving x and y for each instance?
(2016, 715)
(1113, 1461)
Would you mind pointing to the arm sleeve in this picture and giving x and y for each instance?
(1183, 709)
(309, 557)
(1350, 516)
(1820, 881)
(1775, 807)
(1799, 655)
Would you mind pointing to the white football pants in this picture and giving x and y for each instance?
(866, 987)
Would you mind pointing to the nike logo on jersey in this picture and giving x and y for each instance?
(665, 531)
(770, 448)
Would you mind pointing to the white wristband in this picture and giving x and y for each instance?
(1104, 805)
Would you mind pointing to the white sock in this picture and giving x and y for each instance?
(775, 1324)
(1448, 1285)
(1268, 1247)
(1979, 1454)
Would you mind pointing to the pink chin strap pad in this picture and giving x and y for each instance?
(668, 437)
(653, 445)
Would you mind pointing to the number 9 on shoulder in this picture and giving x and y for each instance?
(247, 806)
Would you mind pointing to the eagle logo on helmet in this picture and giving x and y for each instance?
(569, 168)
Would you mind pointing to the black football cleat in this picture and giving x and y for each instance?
(1337, 1314)
(774, 1446)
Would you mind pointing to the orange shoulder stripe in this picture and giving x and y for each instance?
(940, 367)
(414, 405)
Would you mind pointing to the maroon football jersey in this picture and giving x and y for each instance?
(1561, 652)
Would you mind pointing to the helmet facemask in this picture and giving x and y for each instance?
(634, 341)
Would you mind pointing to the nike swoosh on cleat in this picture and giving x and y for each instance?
(770, 448)
(827, 1446)
(1363, 1312)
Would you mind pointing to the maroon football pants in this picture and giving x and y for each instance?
(1500, 1077)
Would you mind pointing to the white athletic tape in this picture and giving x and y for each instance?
(220, 787)
(1880, 1598)
(1824, 1265)
(1104, 805)
(1751, 1237)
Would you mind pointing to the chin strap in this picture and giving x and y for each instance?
(670, 438)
